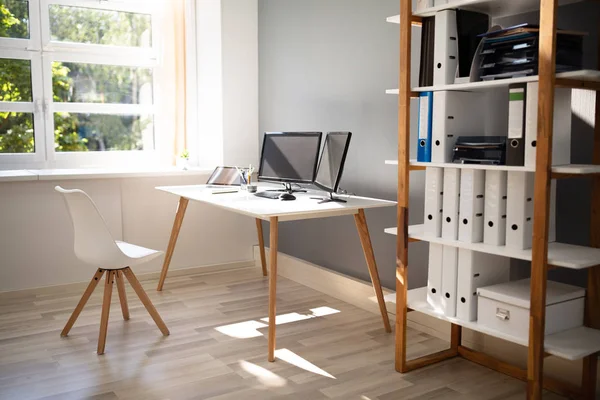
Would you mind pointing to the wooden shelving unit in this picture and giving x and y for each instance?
(582, 343)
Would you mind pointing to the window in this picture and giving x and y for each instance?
(77, 81)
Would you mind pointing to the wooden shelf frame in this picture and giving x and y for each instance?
(534, 374)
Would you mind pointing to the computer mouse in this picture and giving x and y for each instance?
(287, 196)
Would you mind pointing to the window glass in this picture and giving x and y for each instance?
(16, 132)
(14, 19)
(15, 80)
(95, 83)
(102, 132)
(16, 128)
(94, 26)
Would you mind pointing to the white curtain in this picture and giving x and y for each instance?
(170, 101)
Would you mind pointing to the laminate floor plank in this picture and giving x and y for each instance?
(217, 350)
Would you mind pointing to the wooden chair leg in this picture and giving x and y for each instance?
(108, 286)
(136, 285)
(84, 299)
(122, 294)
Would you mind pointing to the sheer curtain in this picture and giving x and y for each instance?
(170, 133)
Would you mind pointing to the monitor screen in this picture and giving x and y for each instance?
(289, 156)
(332, 161)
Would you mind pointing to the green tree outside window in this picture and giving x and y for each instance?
(111, 84)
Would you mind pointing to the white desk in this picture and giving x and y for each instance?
(276, 211)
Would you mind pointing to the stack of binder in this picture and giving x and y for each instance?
(454, 275)
(425, 126)
(449, 42)
(522, 125)
(513, 52)
(455, 114)
(427, 51)
(472, 206)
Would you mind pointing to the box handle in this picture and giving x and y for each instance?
(504, 315)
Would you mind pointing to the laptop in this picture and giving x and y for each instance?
(225, 179)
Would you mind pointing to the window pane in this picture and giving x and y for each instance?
(16, 132)
(94, 83)
(94, 26)
(14, 19)
(101, 132)
(15, 80)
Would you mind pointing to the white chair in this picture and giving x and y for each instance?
(95, 246)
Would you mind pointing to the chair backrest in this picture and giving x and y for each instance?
(93, 243)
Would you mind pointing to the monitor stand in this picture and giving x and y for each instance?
(330, 199)
(288, 188)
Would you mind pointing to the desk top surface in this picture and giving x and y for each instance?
(303, 207)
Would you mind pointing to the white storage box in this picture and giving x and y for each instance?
(505, 307)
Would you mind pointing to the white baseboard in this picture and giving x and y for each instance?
(204, 269)
(360, 294)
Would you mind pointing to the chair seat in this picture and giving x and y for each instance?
(138, 253)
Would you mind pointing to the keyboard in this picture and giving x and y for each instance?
(268, 195)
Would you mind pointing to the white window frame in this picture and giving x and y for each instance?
(33, 43)
(42, 51)
(27, 49)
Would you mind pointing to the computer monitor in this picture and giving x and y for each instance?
(289, 157)
(331, 165)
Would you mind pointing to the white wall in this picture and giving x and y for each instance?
(239, 21)
(36, 239)
(227, 65)
(209, 83)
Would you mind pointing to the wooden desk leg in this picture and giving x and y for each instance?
(261, 246)
(274, 227)
(181, 207)
(365, 240)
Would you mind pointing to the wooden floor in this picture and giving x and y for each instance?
(327, 349)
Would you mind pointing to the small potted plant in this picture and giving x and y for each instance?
(184, 160)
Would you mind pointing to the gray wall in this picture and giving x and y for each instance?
(325, 66)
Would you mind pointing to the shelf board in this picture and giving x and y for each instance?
(559, 254)
(578, 78)
(571, 169)
(573, 344)
(576, 169)
(494, 8)
(414, 163)
(394, 19)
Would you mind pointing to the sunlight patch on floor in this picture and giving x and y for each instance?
(249, 329)
(294, 359)
(264, 376)
(293, 317)
(242, 330)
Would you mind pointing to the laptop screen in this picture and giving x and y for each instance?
(224, 176)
